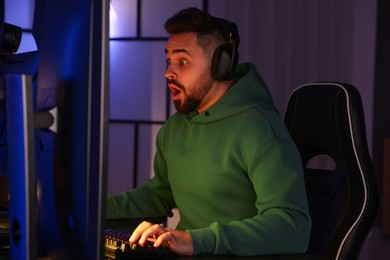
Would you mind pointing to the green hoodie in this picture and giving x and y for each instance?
(233, 172)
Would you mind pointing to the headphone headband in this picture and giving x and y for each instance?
(225, 57)
(228, 29)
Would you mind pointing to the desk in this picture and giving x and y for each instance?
(265, 257)
(127, 225)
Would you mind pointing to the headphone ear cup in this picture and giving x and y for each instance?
(221, 63)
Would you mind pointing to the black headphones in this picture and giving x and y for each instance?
(225, 58)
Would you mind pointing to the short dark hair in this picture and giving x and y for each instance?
(202, 23)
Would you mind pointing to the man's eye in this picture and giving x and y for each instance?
(183, 61)
(168, 62)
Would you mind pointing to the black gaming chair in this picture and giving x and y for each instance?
(326, 121)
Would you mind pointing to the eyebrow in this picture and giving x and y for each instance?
(178, 51)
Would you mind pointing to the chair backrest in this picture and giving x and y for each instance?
(326, 121)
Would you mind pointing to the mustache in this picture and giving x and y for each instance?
(176, 83)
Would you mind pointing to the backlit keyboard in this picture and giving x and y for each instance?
(117, 246)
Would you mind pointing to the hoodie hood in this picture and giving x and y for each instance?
(249, 91)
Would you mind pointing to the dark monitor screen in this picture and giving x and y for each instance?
(70, 159)
(72, 41)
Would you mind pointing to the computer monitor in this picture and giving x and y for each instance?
(65, 193)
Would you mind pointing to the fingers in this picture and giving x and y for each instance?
(145, 231)
(178, 241)
(154, 231)
(166, 239)
(139, 231)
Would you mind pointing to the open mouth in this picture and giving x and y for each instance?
(175, 91)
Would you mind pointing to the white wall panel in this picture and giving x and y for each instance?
(146, 151)
(123, 18)
(19, 12)
(120, 158)
(155, 13)
(137, 84)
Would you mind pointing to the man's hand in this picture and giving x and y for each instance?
(178, 241)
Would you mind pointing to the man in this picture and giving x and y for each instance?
(225, 160)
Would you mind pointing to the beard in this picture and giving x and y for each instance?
(192, 101)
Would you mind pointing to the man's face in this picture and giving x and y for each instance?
(188, 72)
